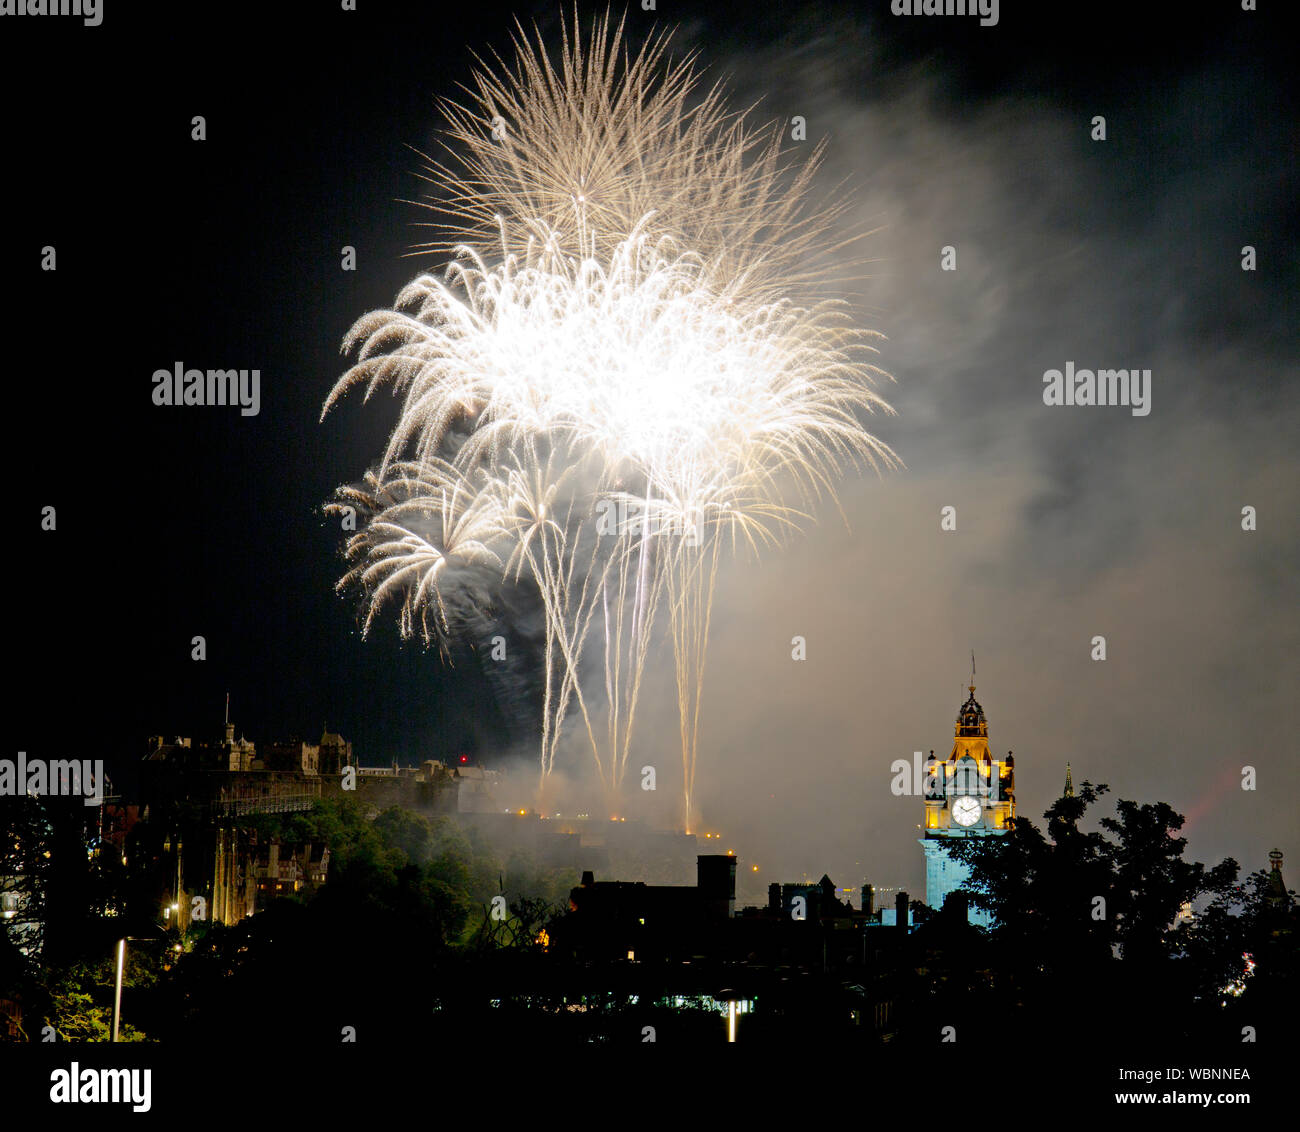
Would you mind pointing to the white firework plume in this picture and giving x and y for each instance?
(640, 358)
(424, 523)
(630, 326)
(591, 144)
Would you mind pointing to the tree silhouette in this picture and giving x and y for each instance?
(1092, 933)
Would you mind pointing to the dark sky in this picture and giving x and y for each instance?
(1072, 522)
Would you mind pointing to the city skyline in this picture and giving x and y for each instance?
(1012, 238)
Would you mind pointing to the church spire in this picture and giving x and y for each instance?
(1276, 892)
(1069, 782)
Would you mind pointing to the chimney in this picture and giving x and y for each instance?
(588, 878)
(716, 884)
(868, 899)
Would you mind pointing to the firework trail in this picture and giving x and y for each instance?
(624, 372)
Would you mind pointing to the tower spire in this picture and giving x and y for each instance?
(1069, 782)
(1277, 894)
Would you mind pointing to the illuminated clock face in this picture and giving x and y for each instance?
(966, 811)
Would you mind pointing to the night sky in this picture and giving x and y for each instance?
(1072, 522)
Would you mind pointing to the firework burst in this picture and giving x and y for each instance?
(593, 143)
(623, 371)
(423, 523)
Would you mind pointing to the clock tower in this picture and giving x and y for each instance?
(971, 794)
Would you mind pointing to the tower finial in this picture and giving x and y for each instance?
(1069, 782)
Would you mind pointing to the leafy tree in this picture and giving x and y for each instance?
(80, 999)
(25, 840)
(406, 831)
(1151, 881)
(1242, 948)
(1091, 919)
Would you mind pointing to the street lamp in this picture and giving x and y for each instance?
(117, 982)
(117, 989)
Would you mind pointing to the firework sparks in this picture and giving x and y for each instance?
(422, 523)
(608, 137)
(637, 377)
